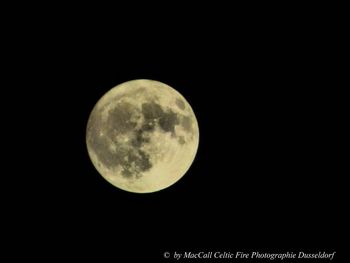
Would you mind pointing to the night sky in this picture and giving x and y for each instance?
(263, 177)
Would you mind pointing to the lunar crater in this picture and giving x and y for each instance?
(180, 104)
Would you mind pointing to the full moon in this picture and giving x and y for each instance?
(142, 136)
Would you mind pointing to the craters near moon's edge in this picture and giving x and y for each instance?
(130, 157)
(186, 123)
(180, 103)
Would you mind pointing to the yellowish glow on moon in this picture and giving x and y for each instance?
(142, 136)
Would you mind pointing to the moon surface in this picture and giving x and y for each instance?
(142, 136)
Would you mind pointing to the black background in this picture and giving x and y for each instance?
(263, 177)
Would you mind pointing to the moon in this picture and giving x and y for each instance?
(142, 136)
